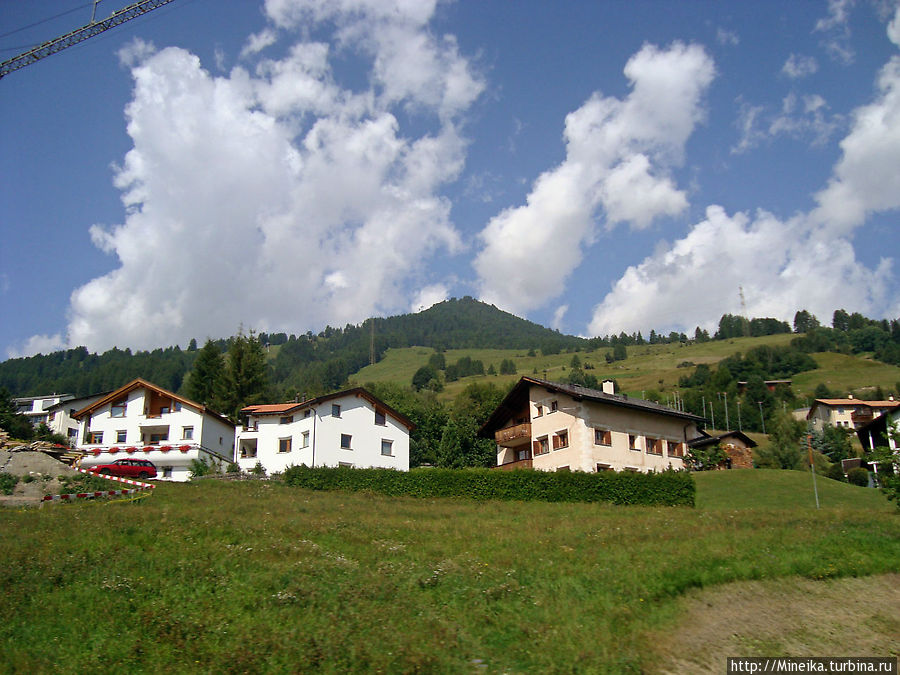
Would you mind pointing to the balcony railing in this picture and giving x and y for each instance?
(511, 437)
(517, 464)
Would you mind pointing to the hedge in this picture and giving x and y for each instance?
(669, 488)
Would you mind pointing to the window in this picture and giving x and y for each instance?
(560, 440)
(346, 465)
(95, 438)
(305, 414)
(602, 437)
(284, 444)
(634, 442)
(654, 446)
(167, 471)
(305, 440)
(335, 410)
(563, 468)
(386, 448)
(380, 419)
(676, 449)
(163, 410)
(603, 467)
(345, 441)
(539, 411)
(286, 420)
(118, 408)
(156, 438)
(554, 406)
(120, 436)
(176, 406)
(541, 446)
(187, 433)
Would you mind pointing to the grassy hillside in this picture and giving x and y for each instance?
(647, 366)
(784, 490)
(258, 577)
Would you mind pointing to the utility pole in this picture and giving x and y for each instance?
(72, 38)
(761, 417)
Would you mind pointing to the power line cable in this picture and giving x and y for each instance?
(42, 21)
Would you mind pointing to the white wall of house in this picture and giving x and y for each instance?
(173, 462)
(315, 436)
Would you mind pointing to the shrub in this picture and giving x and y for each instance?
(669, 488)
(7, 483)
(28, 478)
(258, 470)
(835, 472)
(199, 467)
(858, 476)
(233, 468)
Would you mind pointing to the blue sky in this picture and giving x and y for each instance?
(593, 166)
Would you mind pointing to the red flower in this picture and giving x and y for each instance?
(184, 448)
(165, 448)
(97, 451)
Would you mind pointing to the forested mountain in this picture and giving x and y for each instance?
(313, 364)
(309, 363)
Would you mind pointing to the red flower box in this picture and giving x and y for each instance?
(184, 448)
(130, 451)
(97, 451)
(165, 448)
(148, 448)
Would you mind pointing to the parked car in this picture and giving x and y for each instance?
(127, 468)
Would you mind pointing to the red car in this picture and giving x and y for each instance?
(127, 468)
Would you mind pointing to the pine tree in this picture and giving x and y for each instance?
(205, 382)
(246, 373)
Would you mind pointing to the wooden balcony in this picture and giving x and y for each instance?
(511, 437)
(517, 464)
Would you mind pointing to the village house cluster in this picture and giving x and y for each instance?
(540, 424)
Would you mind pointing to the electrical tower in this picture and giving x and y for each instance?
(117, 18)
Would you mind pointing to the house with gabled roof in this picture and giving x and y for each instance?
(143, 420)
(554, 426)
(350, 428)
(850, 413)
(737, 445)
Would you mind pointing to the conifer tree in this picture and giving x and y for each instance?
(205, 382)
(246, 373)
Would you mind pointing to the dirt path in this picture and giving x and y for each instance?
(785, 617)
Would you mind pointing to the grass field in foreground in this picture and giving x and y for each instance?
(258, 577)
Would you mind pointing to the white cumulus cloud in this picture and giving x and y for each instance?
(275, 197)
(807, 261)
(618, 156)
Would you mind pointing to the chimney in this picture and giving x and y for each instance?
(609, 387)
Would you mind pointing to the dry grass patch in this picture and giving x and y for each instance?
(787, 617)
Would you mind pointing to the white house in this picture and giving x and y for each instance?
(350, 428)
(35, 408)
(850, 413)
(555, 427)
(146, 421)
(60, 416)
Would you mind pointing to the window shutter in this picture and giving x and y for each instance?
(536, 447)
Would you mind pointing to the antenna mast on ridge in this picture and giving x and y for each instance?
(117, 18)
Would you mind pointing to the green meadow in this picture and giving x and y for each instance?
(257, 577)
(647, 366)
